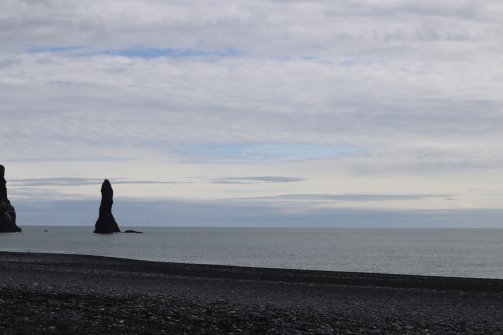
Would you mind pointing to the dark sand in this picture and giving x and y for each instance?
(70, 294)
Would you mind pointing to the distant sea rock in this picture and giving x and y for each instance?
(133, 231)
(7, 212)
(106, 222)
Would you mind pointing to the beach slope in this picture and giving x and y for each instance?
(72, 294)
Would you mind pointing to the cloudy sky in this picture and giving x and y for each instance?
(259, 113)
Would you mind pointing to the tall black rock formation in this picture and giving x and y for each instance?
(7, 212)
(106, 223)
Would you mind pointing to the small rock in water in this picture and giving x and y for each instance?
(133, 231)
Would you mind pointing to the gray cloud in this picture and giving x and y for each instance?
(263, 26)
(255, 180)
(35, 195)
(78, 182)
(348, 197)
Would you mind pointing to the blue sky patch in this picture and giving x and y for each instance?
(143, 52)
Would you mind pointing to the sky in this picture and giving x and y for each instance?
(350, 113)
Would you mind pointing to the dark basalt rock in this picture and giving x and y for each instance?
(7, 212)
(106, 222)
(133, 231)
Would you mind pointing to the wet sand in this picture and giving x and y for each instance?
(72, 294)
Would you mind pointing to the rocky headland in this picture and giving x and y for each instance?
(7, 212)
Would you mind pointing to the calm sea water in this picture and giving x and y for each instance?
(449, 252)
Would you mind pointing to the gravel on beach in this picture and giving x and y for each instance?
(71, 294)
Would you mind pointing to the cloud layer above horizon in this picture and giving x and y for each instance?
(359, 104)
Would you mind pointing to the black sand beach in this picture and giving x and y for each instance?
(71, 294)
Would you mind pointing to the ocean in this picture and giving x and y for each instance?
(443, 252)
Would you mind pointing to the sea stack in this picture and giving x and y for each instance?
(7, 212)
(106, 223)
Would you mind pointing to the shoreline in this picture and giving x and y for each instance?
(75, 294)
(258, 273)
